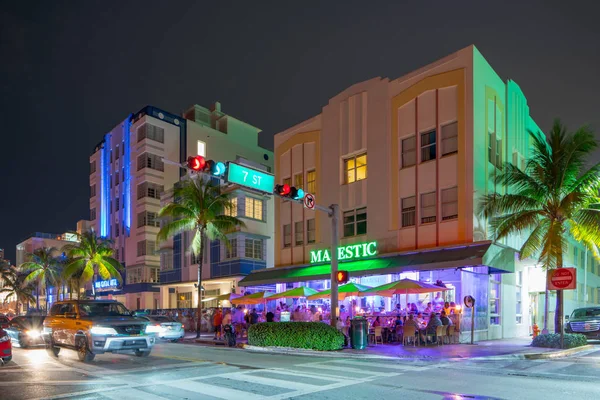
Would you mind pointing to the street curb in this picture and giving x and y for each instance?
(314, 353)
(531, 356)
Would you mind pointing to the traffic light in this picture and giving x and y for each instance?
(342, 276)
(292, 192)
(200, 164)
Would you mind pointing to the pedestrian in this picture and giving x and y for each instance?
(253, 319)
(217, 321)
(270, 316)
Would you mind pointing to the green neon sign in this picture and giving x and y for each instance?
(251, 178)
(349, 252)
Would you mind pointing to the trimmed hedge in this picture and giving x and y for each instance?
(301, 335)
(552, 340)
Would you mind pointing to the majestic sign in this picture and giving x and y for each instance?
(109, 284)
(562, 279)
(349, 252)
(251, 178)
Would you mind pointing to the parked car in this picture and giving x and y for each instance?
(94, 327)
(26, 331)
(585, 321)
(164, 327)
(5, 347)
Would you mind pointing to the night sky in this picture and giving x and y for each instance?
(70, 71)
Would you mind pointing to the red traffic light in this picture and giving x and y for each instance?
(342, 276)
(283, 190)
(197, 163)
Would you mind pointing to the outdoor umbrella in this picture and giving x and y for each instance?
(254, 298)
(347, 290)
(403, 286)
(301, 291)
(228, 296)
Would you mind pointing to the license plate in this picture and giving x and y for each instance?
(587, 327)
(169, 328)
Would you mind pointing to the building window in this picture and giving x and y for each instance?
(428, 146)
(450, 138)
(499, 153)
(166, 261)
(201, 148)
(184, 300)
(254, 208)
(428, 207)
(117, 255)
(116, 204)
(299, 233)
(310, 231)
(494, 150)
(409, 211)
(519, 293)
(287, 181)
(117, 153)
(92, 167)
(149, 189)
(299, 181)
(495, 281)
(154, 275)
(287, 235)
(149, 160)
(146, 248)
(355, 222)
(355, 168)
(148, 218)
(232, 210)
(231, 250)
(195, 258)
(311, 181)
(409, 152)
(134, 275)
(92, 214)
(93, 190)
(116, 178)
(254, 249)
(117, 233)
(151, 132)
(450, 203)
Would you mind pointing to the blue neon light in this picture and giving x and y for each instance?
(127, 181)
(105, 186)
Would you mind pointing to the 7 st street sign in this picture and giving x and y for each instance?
(250, 178)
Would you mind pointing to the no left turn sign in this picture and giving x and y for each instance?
(309, 201)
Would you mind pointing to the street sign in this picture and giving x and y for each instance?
(251, 178)
(469, 301)
(309, 201)
(562, 279)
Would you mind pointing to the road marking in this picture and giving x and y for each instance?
(346, 369)
(325, 377)
(549, 366)
(254, 378)
(399, 367)
(54, 383)
(131, 393)
(215, 391)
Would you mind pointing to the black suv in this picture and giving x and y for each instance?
(94, 327)
(585, 321)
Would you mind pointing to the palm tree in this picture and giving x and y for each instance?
(555, 198)
(14, 285)
(90, 257)
(198, 207)
(43, 269)
(6, 270)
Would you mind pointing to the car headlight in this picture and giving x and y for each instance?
(103, 330)
(153, 328)
(33, 333)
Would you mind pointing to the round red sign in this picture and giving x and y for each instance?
(562, 278)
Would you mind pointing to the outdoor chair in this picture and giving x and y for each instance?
(440, 333)
(376, 335)
(399, 333)
(409, 334)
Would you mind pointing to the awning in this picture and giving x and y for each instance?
(468, 255)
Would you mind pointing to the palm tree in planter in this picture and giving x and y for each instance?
(14, 285)
(199, 207)
(42, 268)
(90, 257)
(555, 198)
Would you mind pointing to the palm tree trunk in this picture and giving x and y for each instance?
(199, 309)
(46, 286)
(37, 296)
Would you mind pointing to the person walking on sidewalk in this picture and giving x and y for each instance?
(217, 321)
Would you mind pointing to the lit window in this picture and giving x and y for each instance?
(287, 235)
(298, 181)
(201, 148)
(428, 146)
(428, 207)
(310, 231)
(254, 208)
(409, 153)
(355, 168)
(299, 233)
(287, 181)
(311, 182)
(449, 203)
(232, 210)
(450, 138)
(409, 211)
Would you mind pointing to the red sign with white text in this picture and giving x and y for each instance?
(562, 279)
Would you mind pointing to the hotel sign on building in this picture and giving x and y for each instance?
(345, 253)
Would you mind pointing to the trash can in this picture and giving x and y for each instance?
(359, 333)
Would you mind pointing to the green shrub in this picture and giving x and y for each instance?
(552, 340)
(301, 335)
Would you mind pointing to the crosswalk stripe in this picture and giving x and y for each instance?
(549, 366)
(131, 394)
(333, 378)
(334, 368)
(388, 366)
(245, 377)
(215, 391)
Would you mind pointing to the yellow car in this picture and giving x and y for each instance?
(94, 327)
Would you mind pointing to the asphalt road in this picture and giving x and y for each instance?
(189, 371)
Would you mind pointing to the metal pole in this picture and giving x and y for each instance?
(585, 279)
(472, 322)
(335, 210)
